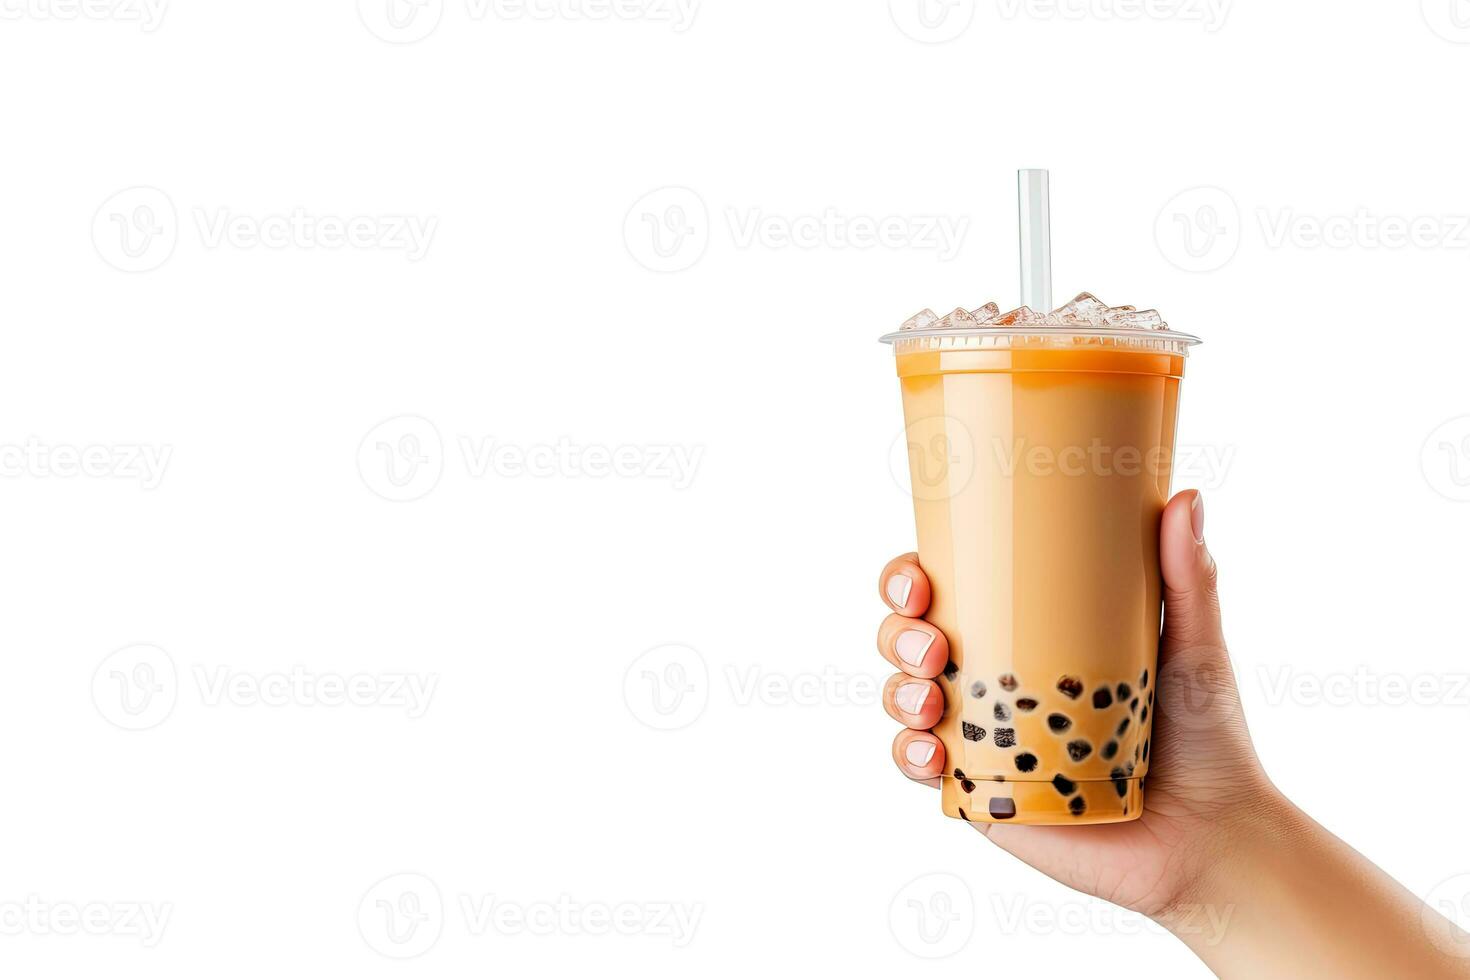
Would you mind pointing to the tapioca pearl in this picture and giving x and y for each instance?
(1150, 697)
(1120, 783)
(963, 814)
(972, 733)
(1079, 749)
(1133, 706)
(1143, 716)
(1143, 681)
(951, 670)
(1110, 750)
(977, 689)
(1145, 750)
(1064, 785)
(959, 774)
(1058, 722)
(1118, 773)
(1008, 682)
(1124, 692)
(1102, 698)
(1130, 769)
(1002, 711)
(1137, 751)
(1071, 687)
(1026, 704)
(1123, 726)
(1002, 807)
(967, 786)
(1077, 805)
(1026, 762)
(1005, 738)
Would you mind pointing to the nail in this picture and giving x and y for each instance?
(919, 752)
(1197, 518)
(899, 588)
(912, 645)
(910, 698)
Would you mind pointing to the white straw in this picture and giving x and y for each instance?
(1035, 198)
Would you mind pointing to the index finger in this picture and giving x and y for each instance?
(904, 586)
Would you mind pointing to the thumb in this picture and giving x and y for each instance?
(1191, 603)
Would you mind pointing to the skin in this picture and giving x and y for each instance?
(1220, 856)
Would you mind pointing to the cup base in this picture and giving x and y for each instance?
(1038, 804)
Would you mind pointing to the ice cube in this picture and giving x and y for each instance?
(1084, 308)
(960, 318)
(1018, 317)
(920, 321)
(1137, 320)
(986, 313)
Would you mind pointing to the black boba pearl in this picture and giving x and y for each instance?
(1058, 722)
(959, 774)
(967, 786)
(1002, 711)
(1102, 698)
(1026, 704)
(977, 689)
(1071, 687)
(1121, 786)
(1143, 717)
(1026, 762)
(1145, 750)
(1079, 749)
(950, 670)
(1064, 785)
(1002, 807)
(1005, 738)
(1077, 805)
(1123, 726)
(1124, 692)
(963, 815)
(1118, 773)
(1008, 681)
(1110, 750)
(1133, 706)
(998, 779)
(972, 733)
(1143, 681)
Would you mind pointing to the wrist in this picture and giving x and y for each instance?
(1228, 858)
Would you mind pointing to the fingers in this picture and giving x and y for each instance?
(919, 756)
(1192, 606)
(904, 586)
(912, 702)
(913, 646)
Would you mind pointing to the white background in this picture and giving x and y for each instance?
(536, 772)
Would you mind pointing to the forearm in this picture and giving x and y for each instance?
(1282, 897)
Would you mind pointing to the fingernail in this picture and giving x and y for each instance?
(912, 645)
(919, 752)
(1197, 518)
(910, 698)
(899, 588)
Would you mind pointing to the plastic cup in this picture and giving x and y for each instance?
(1040, 462)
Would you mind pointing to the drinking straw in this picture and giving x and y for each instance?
(1035, 201)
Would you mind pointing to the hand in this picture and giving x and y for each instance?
(1204, 776)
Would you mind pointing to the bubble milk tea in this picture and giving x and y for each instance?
(1039, 454)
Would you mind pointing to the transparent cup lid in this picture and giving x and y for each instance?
(1081, 323)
